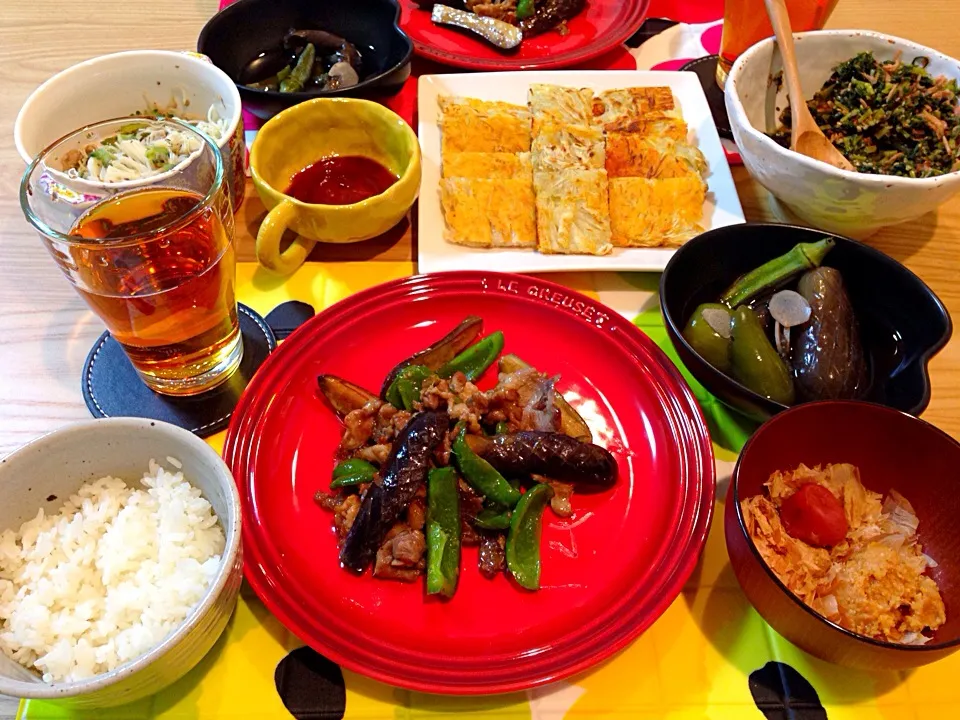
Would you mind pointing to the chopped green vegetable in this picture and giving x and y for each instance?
(492, 519)
(352, 472)
(481, 475)
(157, 154)
(801, 257)
(104, 154)
(474, 361)
(888, 118)
(404, 391)
(525, 9)
(298, 77)
(443, 531)
(523, 539)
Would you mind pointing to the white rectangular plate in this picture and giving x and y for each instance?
(722, 206)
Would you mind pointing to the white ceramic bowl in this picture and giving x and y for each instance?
(124, 83)
(57, 465)
(840, 201)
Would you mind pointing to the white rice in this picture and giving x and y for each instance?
(108, 577)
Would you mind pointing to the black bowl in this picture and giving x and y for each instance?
(240, 32)
(902, 322)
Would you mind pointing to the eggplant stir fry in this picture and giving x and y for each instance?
(786, 330)
(305, 60)
(433, 463)
(533, 17)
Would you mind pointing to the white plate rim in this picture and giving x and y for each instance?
(434, 254)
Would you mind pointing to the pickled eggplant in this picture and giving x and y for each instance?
(828, 359)
(754, 361)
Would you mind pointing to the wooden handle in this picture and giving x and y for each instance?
(800, 115)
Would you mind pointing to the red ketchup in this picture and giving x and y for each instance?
(340, 180)
(814, 515)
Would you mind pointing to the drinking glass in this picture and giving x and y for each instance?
(745, 23)
(151, 252)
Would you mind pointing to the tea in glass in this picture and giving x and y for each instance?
(745, 23)
(155, 261)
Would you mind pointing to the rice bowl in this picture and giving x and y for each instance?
(165, 642)
(108, 577)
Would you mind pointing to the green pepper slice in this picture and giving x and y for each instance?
(502, 428)
(493, 519)
(352, 472)
(474, 361)
(404, 391)
(754, 360)
(443, 532)
(523, 538)
(298, 77)
(482, 476)
(802, 256)
(525, 9)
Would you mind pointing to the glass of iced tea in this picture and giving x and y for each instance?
(136, 214)
(745, 23)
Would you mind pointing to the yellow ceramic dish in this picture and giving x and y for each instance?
(301, 135)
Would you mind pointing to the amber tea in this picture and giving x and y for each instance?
(168, 296)
(745, 23)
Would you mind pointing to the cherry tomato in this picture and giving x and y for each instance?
(814, 515)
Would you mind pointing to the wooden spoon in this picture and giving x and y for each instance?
(805, 137)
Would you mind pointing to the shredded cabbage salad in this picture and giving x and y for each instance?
(142, 149)
(137, 151)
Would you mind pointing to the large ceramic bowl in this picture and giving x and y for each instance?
(45, 472)
(128, 83)
(902, 322)
(840, 201)
(241, 32)
(892, 450)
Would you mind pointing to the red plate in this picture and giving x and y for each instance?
(600, 27)
(603, 582)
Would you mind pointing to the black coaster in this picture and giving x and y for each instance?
(706, 70)
(112, 388)
(287, 317)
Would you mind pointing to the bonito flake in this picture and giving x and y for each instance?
(874, 582)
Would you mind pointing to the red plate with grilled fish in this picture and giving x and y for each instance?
(608, 572)
(600, 27)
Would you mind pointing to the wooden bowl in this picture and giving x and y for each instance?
(893, 450)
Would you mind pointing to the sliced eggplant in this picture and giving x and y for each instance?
(344, 397)
(441, 352)
(558, 456)
(404, 474)
(828, 360)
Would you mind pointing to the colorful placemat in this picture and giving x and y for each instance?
(709, 656)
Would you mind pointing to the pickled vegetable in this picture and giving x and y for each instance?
(776, 272)
(755, 362)
(710, 340)
(828, 359)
